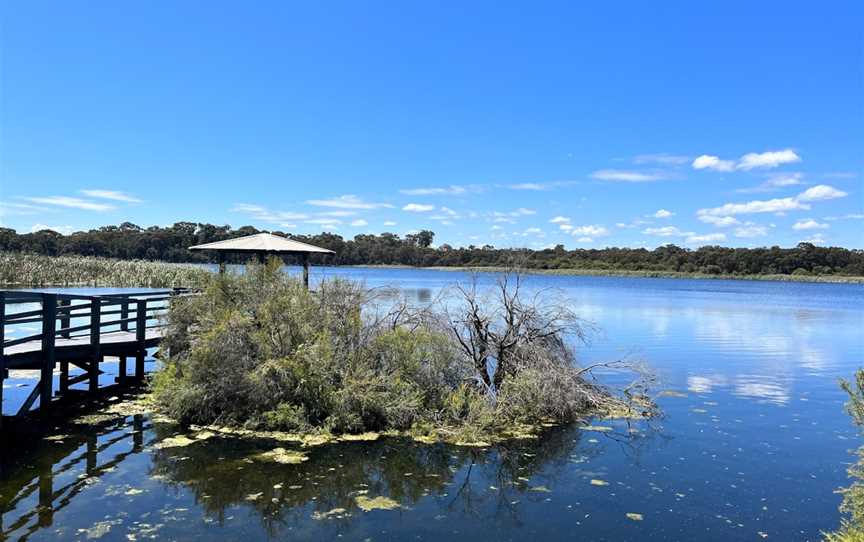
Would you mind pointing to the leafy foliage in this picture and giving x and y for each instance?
(129, 241)
(35, 270)
(853, 496)
(260, 351)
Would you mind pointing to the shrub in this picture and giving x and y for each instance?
(259, 350)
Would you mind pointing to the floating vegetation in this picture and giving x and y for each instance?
(596, 482)
(377, 503)
(540, 489)
(634, 516)
(336, 513)
(100, 529)
(366, 437)
(180, 441)
(281, 455)
(671, 393)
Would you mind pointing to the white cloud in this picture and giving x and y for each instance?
(347, 201)
(707, 238)
(775, 182)
(706, 161)
(323, 221)
(751, 230)
(666, 231)
(341, 213)
(721, 221)
(770, 159)
(359, 223)
(112, 195)
(751, 160)
(628, 176)
(560, 220)
(777, 205)
(663, 213)
(534, 231)
(258, 212)
(539, 186)
(12, 208)
(418, 208)
(821, 192)
(452, 190)
(585, 239)
(389, 223)
(75, 203)
(589, 230)
(816, 239)
(522, 211)
(850, 216)
(64, 230)
(689, 236)
(661, 158)
(809, 224)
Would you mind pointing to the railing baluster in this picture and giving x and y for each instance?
(49, 327)
(95, 342)
(140, 337)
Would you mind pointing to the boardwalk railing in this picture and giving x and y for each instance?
(77, 330)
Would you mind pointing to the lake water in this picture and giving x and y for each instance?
(753, 445)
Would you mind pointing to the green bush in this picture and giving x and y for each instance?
(853, 496)
(258, 350)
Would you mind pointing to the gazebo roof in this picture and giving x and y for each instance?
(263, 242)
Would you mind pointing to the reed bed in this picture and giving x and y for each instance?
(18, 269)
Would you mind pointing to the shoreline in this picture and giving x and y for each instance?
(825, 279)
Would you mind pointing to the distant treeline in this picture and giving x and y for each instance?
(129, 241)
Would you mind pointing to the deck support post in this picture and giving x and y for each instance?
(140, 337)
(121, 370)
(95, 342)
(306, 270)
(49, 359)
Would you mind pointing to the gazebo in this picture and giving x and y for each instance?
(263, 245)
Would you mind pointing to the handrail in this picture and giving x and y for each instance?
(63, 310)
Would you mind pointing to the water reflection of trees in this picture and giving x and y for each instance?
(222, 475)
(32, 467)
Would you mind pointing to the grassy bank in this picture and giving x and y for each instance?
(836, 279)
(31, 270)
(258, 351)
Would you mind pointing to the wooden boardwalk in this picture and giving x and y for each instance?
(77, 330)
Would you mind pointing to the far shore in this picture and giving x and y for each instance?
(834, 279)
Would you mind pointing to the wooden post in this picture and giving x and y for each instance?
(95, 342)
(221, 263)
(306, 270)
(124, 326)
(121, 370)
(65, 318)
(140, 337)
(65, 321)
(49, 355)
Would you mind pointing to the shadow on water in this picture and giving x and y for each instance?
(107, 474)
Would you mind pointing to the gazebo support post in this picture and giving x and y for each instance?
(306, 270)
(221, 263)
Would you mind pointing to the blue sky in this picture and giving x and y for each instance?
(514, 124)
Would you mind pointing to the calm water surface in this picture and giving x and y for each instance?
(754, 449)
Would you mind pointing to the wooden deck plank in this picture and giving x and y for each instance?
(111, 342)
